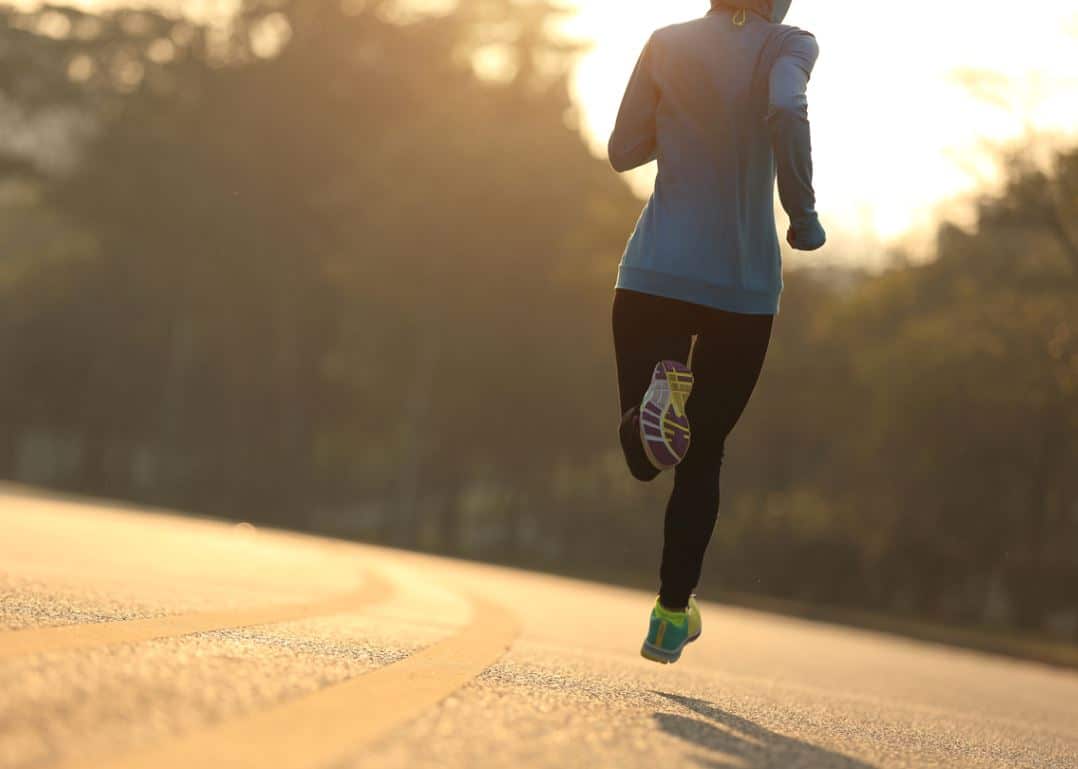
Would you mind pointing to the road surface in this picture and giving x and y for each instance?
(136, 639)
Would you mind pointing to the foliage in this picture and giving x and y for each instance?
(314, 270)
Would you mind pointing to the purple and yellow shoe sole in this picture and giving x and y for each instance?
(664, 425)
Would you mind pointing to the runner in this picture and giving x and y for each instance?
(720, 103)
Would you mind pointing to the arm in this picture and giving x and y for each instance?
(633, 141)
(787, 120)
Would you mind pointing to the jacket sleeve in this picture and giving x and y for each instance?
(788, 125)
(633, 141)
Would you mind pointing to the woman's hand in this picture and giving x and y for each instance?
(806, 234)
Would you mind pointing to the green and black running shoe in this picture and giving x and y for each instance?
(669, 632)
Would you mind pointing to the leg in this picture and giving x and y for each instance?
(647, 329)
(727, 360)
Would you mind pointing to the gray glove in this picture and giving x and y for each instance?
(806, 234)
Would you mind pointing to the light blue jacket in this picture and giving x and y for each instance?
(720, 102)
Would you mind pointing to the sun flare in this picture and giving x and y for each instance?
(908, 104)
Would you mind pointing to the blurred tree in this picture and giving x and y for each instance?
(933, 411)
(328, 237)
(354, 257)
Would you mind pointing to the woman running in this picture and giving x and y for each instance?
(720, 103)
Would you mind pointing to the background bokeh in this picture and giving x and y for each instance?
(336, 266)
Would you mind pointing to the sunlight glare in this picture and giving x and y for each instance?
(898, 132)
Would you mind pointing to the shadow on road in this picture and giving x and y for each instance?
(736, 742)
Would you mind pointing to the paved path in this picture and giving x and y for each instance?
(135, 639)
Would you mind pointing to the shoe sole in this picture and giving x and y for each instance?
(662, 656)
(664, 425)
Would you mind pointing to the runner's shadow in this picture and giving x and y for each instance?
(737, 742)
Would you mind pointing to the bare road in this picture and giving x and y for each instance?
(135, 639)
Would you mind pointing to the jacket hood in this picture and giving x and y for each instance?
(775, 10)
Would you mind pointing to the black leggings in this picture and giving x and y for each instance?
(726, 360)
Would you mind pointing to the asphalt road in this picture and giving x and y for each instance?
(134, 639)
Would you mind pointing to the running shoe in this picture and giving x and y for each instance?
(664, 426)
(669, 632)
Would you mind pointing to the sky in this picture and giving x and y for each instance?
(899, 136)
(910, 103)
